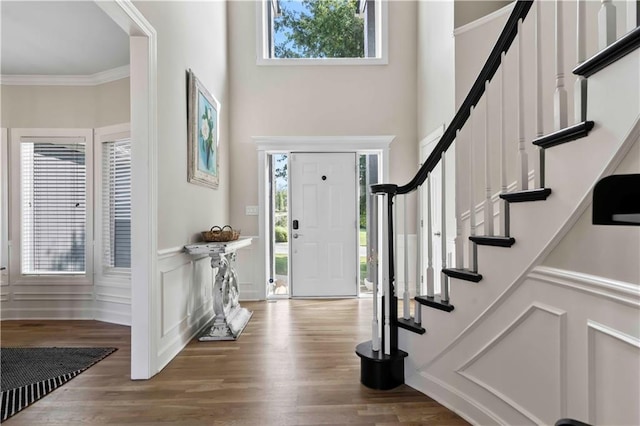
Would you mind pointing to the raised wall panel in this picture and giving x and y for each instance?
(534, 339)
(248, 265)
(614, 376)
(174, 296)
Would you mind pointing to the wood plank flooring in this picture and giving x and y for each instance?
(293, 365)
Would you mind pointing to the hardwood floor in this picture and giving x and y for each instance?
(293, 365)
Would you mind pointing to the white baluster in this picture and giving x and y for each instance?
(488, 203)
(504, 219)
(580, 86)
(386, 289)
(375, 338)
(417, 310)
(560, 95)
(396, 281)
(444, 283)
(458, 241)
(473, 264)
(405, 252)
(523, 160)
(632, 15)
(539, 90)
(606, 24)
(430, 276)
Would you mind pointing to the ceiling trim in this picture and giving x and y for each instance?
(66, 80)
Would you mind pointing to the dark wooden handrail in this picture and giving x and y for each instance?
(509, 32)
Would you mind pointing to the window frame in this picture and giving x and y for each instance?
(17, 137)
(105, 135)
(263, 39)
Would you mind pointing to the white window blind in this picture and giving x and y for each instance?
(116, 203)
(54, 210)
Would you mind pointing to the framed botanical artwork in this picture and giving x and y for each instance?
(203, 110)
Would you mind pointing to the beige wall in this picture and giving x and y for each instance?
(65, 106)
(469, 10)
(190, 35)
(318, 100)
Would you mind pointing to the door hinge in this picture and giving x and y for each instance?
(421, 223)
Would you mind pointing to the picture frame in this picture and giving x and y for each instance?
(203, 136)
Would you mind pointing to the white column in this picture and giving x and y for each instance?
(459, 260)
(375, 337)
(488, 203)
(632, 15)
(560, 95)
(606, 24)
(417, 310)
(538, 93)
(405, 252)
(472, 204)
(504, 220)
(444, 290)
(580, 86)
(430, 277)
(523, 161)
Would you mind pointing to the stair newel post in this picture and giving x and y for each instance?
(523, 160)
(538, 92)
(387, 215)
(405, 252)
(473, 253)
(560, 95)
(375, 338)
(606, 24)
(580, 86)
(430, 275)
(417, 311)
(488, 203)
(504, 206)
(444, 288)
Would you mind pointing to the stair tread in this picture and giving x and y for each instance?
(411, 325)
(568, 134)
(493, 240)
(616, 50)
(463, 274)
(538, 194)
(435, 302)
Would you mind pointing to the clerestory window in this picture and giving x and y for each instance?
(349, 32)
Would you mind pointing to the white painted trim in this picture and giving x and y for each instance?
(49, 296)
(592, 328)
(275, 144)
(144, 190)
(168, 252)
(617, 291)
(322, 143)
(382, 40)
(22, 135)
(474, 412)
(65, 313)
(484, 20)
(96, 79)
(504, 333)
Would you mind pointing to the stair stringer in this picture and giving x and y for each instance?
(504, 270)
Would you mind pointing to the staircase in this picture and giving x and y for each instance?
(506, 339)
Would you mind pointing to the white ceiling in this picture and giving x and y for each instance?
(59, 38)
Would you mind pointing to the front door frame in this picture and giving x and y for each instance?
(279, 144)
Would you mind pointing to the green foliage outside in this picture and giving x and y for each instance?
(281, 201)
(282, 267)
(321, 29)
(362, 170)
(363, 268)
(281, 234)
(363, 237)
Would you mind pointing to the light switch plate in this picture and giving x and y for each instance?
(251, 210)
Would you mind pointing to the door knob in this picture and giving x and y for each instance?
(296, 235)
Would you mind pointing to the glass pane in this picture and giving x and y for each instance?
(279, 285)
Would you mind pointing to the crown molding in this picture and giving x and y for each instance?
(66, 80)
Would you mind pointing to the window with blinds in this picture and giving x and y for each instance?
(54, 208)
(116, 203)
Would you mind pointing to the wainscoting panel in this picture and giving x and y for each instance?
(185, 303)
(614, 376)
(46, 302)
(248, 264)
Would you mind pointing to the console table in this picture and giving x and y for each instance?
(230, 318)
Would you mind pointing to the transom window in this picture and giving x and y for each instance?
(322, 32)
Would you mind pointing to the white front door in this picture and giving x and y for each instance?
(323, 229)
